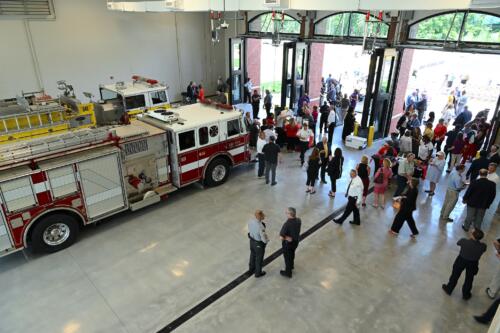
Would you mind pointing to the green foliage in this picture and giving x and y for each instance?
(265, 23)
(478, 28)
(338, 25)
(482, 28)
(437, 27)
(273, 86)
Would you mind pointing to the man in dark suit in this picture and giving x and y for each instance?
(289, 234)
(481, 163)
(478, 197)
(324, 154)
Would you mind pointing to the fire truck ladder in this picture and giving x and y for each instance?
(32, 123)
(46, 115)
(26, 151)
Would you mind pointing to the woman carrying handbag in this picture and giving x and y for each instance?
(381, 181)
(334, 170)
(408, 203)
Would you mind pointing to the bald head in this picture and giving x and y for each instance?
(483, 173)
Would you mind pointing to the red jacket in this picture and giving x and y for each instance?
(439, 132)
(291, 132)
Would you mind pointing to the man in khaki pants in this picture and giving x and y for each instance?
(455, 185)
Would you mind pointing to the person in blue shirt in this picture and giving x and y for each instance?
(258, 241)
(413, 122)
(456, 183)
(410, 100)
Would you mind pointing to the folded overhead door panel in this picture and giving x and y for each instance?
(102, 184)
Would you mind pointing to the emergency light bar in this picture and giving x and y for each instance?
(138, 78)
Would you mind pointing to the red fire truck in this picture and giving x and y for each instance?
(51, 187)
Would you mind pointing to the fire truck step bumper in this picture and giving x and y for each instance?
(166, 189)
(145, 202)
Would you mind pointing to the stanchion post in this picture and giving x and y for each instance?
(371, 133)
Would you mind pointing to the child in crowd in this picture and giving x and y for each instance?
(428, 132)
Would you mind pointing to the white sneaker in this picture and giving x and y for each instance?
(488, 292)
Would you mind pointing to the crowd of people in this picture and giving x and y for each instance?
(196, 93)
(421, 152)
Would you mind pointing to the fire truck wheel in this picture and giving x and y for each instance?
(217, 172)
(53, 233)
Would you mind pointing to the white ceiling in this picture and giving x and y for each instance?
(235, 5)
(327, 5)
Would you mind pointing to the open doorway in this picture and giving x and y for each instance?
(344, 63)
(437, 75)
(265, 68)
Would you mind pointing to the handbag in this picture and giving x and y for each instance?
(380, 177)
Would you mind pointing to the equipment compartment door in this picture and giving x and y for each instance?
(102, 185)
(5, 242)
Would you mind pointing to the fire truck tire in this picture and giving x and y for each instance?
(217, 172)
(53, 233)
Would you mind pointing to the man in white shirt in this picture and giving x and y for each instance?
(261, 142)
(305, 135)
(269, 132)
(425, 149)
(354, 194)
(332, 122)
(492, 173)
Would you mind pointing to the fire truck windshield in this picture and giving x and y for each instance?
(107, 94)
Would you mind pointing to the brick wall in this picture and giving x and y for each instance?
(253, 60)
(401, 86)
(315, 71)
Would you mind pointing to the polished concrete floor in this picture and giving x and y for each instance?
(139, 271)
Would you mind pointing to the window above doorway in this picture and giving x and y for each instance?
(458, 26)
(347, 24)
(264, 23)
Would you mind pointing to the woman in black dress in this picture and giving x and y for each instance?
(334, 170)
(408, 205)
(348, 124)
(313, 170)
(364, 171)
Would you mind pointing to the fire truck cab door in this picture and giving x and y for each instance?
(174, 160)
(187, 145)
(208, 139)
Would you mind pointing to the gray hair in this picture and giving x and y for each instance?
(292, 211)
